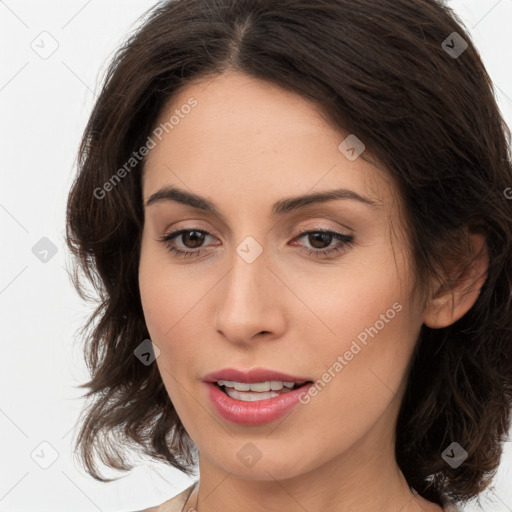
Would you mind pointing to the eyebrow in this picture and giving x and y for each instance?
(282, 207)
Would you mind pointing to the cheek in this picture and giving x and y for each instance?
(171, 301)
(165, 314)
(361, 298)
(163, 291)
(366, 368)
(157, 302)
(169, 317)
(373, 328)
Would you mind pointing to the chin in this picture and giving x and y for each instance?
(260, 461)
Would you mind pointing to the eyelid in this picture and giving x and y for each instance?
(346, 240)
(310, 226)
(191, 225)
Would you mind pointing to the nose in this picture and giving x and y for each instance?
(250, 302)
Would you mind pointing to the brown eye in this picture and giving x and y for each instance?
(191, 240)
(321, 239)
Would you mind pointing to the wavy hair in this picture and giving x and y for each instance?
(387, 71)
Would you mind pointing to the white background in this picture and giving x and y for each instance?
(45, 104)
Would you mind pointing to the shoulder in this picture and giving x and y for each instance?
(174, 504)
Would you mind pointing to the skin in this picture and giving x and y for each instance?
(246, 145)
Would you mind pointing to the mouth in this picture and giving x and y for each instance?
(254, 397)
(256, 391)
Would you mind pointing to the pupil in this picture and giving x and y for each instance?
(198, 240)
(323, 238)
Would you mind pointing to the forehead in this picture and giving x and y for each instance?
(237, 133)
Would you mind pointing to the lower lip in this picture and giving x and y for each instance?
(254, 413)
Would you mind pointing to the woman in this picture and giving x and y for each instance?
(295, 215)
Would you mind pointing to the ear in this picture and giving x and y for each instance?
(451, 302)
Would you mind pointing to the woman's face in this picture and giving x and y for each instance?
(253, 292)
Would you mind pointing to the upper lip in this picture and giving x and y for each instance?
(251, 376)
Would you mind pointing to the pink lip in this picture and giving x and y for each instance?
(256, 375)
(253, 413)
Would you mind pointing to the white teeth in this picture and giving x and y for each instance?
(250, 396)
(259, 387)
(242, 386)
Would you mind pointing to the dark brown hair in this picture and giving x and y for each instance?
(383, 71)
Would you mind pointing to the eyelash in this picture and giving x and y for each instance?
(345, 241)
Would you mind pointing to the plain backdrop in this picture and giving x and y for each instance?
(53, 57)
